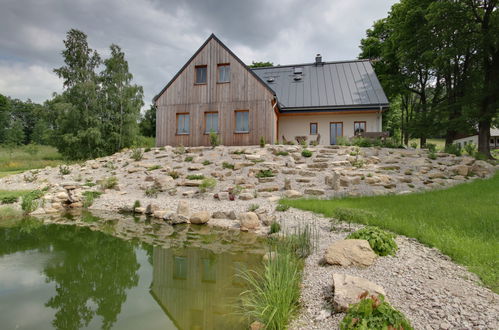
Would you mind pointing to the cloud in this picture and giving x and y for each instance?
(159, 36)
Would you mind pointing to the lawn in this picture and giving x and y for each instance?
(440, 143)
(25, 158)
(462, 222)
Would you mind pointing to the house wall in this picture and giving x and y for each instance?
(299, 125)
(493, 142)
(243, 92)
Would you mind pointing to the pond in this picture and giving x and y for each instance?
(56, 276)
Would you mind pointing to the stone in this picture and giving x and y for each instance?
(159, 214)
(315, 192)
(332, 180)
(269, 188)
(151, 208)
(61, 195)
(318, 165)
(232, 215)
(350, 252)
(176, 219)
(199, 218)
(239, 180)
(140, 210)
(482, 168)
(249, 220)
(256, 325)
(219, 215)
(252, 157)
(223, 196)
(344, 181)
(133, 169)
(461, 170)
(164, 183)
(287, 184)
(436, 175)
(245, 196)
(292, 194)
(195, 167)
(348, 289)
(183, 208)
(192, 183)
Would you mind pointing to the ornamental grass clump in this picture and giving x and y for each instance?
(264, 174)
(382, 242)
(373, 313)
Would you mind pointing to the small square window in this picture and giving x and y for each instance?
(242, 121)
(201, 74)
(359, 127)
(313, 128)
(223, 73)
(183, 123)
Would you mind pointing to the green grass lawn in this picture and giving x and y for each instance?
(440, 143)
(25, 158)
(463, 221)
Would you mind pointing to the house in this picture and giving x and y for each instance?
(493, 142)
(318, 101)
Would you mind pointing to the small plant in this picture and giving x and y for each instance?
(373, 313)
(369, 175)
(174, 174)
(89, 197)
(303, 143)
(179, 150)
(275, 227)
(470, 149)
(432, 155)
(432, 147)
(314, 143)
(453, 149)
(382, 242)
(9, 199)
(110, 165)
(228, 165)
(206, 162)
(207, 184)
(29, 201)
(306, 153)
(239, 152)
(136, 204)
(282, 208)
(214, 139)
(264, 174)
(343, 141)
(154, 167)
(414, 145)
(30, 176)
(137, 154)
(109, 183)
(262, 142)
(253, 207)
(236, 190)
(152, 191)
(358, 163)
(162, 148)
(282, 153)
(188, 159)
(147, 149)
(64, 170)
(89, 184)
(195, 177)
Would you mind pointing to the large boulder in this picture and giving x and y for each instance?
(348, 289)
(482, 168)
(164, 183)
(249, 220)
(200, 218)
(350, 252)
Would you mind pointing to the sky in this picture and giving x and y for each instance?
(159, 36)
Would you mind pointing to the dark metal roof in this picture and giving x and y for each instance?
(326, 86)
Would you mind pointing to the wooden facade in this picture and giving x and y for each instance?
(244, 91)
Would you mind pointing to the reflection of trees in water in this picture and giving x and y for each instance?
(91, 271)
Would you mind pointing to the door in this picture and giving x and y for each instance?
(335, 130)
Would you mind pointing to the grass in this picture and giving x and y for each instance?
(463, 221)
(440, 143)
(25, 158)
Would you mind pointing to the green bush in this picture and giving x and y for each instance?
(29, 201)
(89, 197)
(188, 159)
(343, 141)
(470, 149)
(8, 199)
(64, 170)
(147, 149)
(281, 208)
(136, 154)
(306, 153)
(373, 313)
(109, 183)
(206, 162)
(282, 153)
(453, 149)
(432, 147)
(414, 145)
(262, 142)
(381, 242)
(275, 227)
(432, 155)
(228, 165)
(152, 191)
(207, 184)
(154, 167)
(195, 177)
(214, 139)
(361, 142)
(264, 174)
(174, 174)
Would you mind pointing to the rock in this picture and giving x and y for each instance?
(223, 196)
(219, 215)
(239, 180)
(140, 210)
(252, 157)
(482, 168)
(350, 252)
(344, 181)
(269, 188)
(151, 208)
(164, 183)
(315, 192)
(199, 218)
(159, 214)
(183, 208)
(232, 215)
(257, 326)
(436, 175)
(245, 196)
(62, 196)
(176, 219)
(318, 165)
(192, 183)
(195, 167)
(332, 180)
(292, 194)
(347, 290)
(249, 220)
(287, 184)
(461, 170)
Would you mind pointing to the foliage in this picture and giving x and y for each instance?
(228, 165)
(282, 153)
(147, 123)
(137, 154)
(154, 167)
(174, 174)
(206, 162)
(29, 201)
(136, 204)
(179, 150)
(275, 227)
(188, 159)
(214, 139)
(253, 207)
(382, 242)
(282, 208)
(9, 199)
(306, 153)
(460, 221)
(262, 142)
(470, 149)
(89, 197)
(109, 183)
(260, 64)
(207, 184)
(195, 177)
(152, 191)
(64, 170)
(454, 149)
(373, 313)
(264, 174)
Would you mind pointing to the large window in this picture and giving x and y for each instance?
(179, 268)
(242, 121)
(359, 127)
(183, 123)
(201, 74)
(211, 122)
(223, 73)
(313, 128)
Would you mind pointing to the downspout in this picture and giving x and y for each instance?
(276, 123)
(380, 118)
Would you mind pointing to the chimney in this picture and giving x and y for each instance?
(318, 59)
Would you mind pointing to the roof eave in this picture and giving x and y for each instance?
(381, 106)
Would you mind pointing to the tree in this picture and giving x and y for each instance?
(4, 116)
(121, 102)
(148, 122)
(14, 135)
(260, 64)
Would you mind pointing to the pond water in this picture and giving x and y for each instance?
(57, 276)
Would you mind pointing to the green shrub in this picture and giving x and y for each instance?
(432, 155)
(303, 143)
(343, 141)
(282, 153)
(414, 145)
(29, 201)
(214, 139)
(228, 165)
(281, 208)
(154, 167)
(64, 170)
(470, 149)
(352, 215)
(195, 177)
(432, 147)
(382, 242)
(162, 148)
(136, 204)
(314, 143)
(206, 162)
(188, 159)
(174, 174)
(152, 191)
(453, 149)
(253, 207)
(373, 313)
(361, 142)
(275, 227)
(264, 174)
(30, 176)
(137, 154)
(147, 149)
(9, 199)
(262, 142)
(306, 153)
(239, 152)
(109, 183)
(207, 184)
(236, 190)
(179, 150)
(89, 197)
(89, 184)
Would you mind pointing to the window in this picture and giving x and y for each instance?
(201, 74)
(211, 122)
(313, 128)
(491, 141)
(182, 123)
(180, 268)
(209, 271)
(242, 124)
(359, 127)
(223, 73)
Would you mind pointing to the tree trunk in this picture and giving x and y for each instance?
(484, 138)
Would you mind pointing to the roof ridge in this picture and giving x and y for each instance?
(307, 64)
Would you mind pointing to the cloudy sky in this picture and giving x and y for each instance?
(159, 36)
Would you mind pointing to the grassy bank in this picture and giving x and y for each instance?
(463, 221)
(23, 158)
